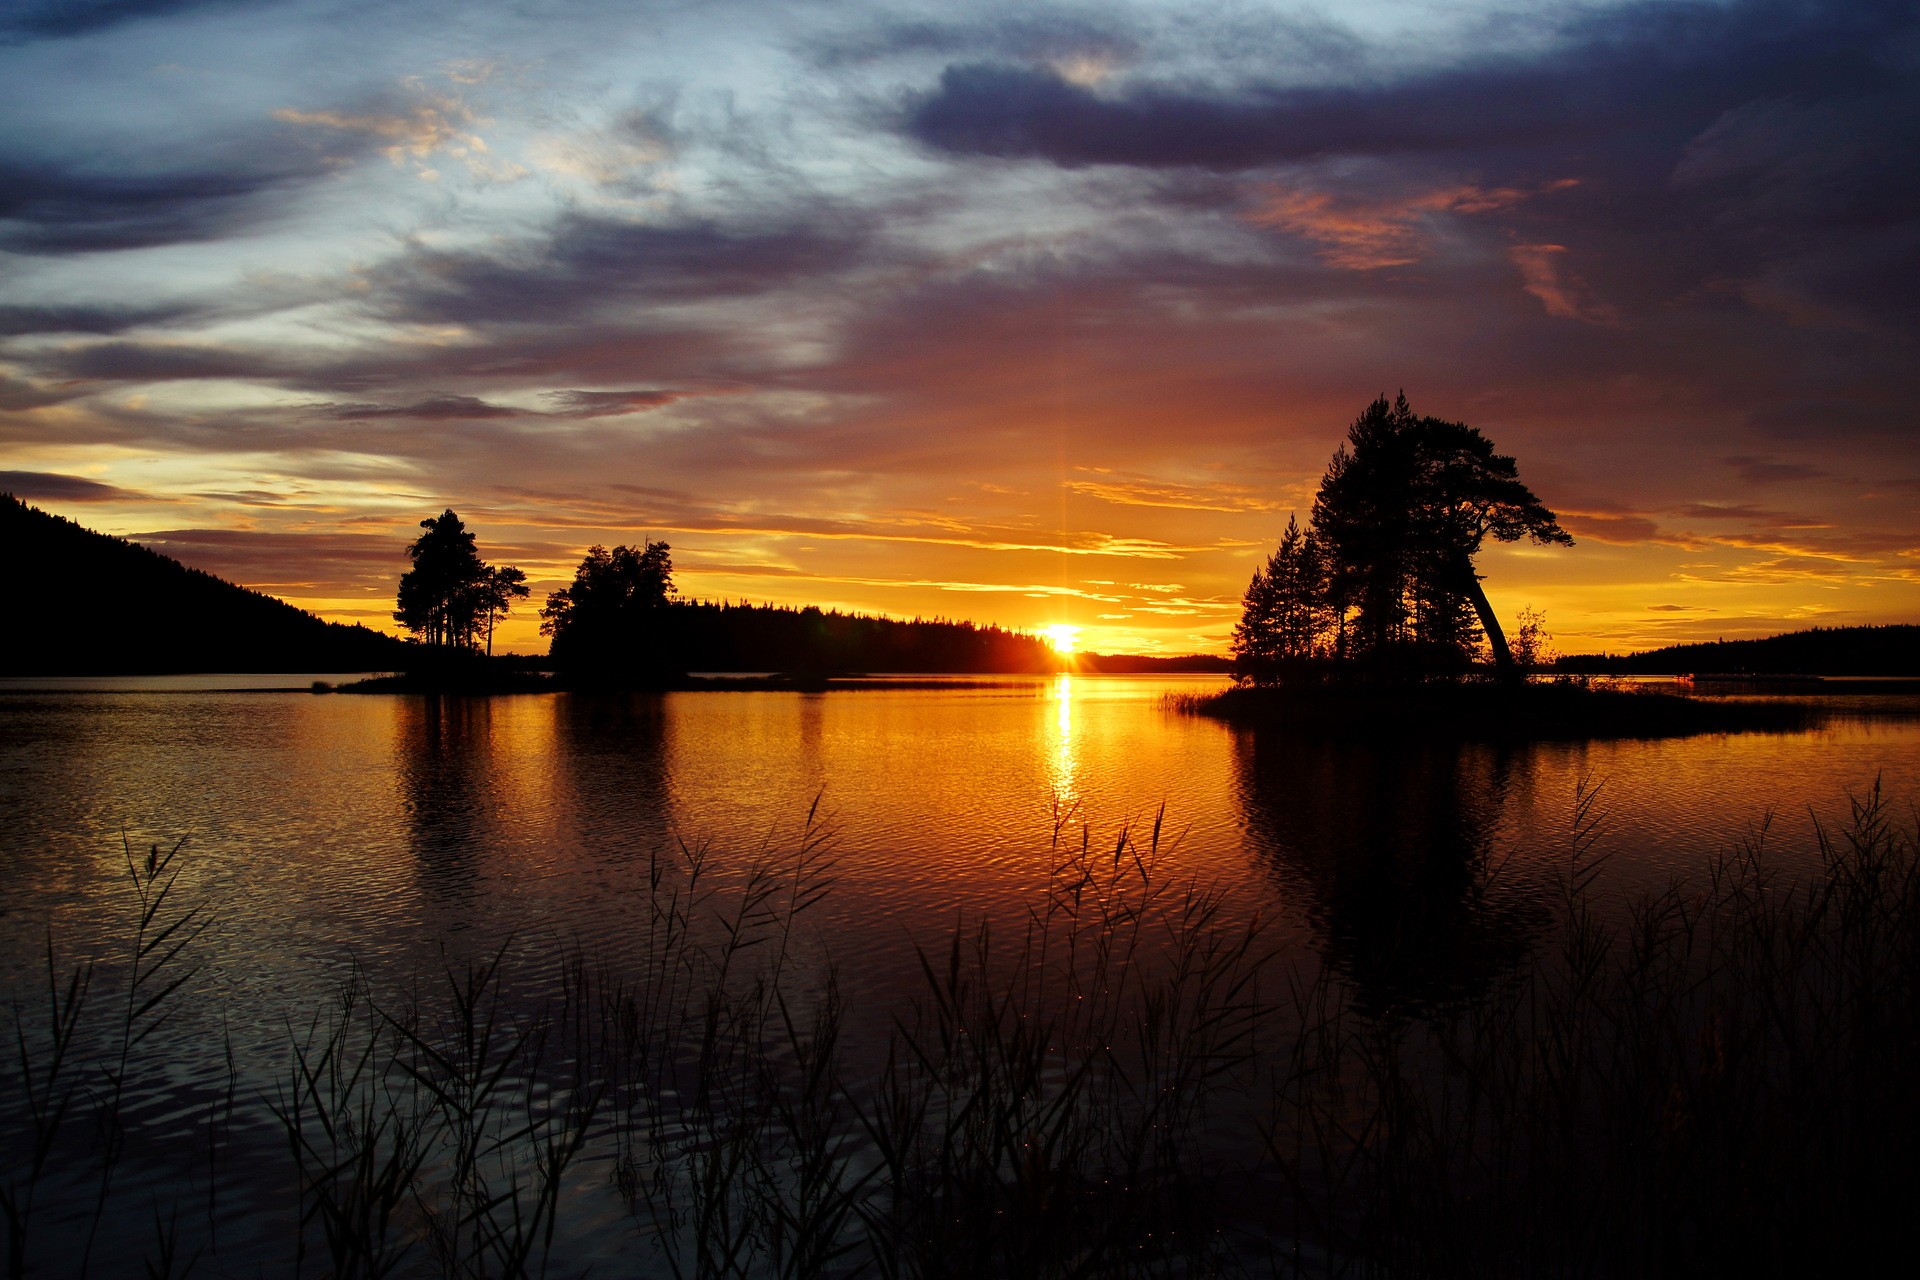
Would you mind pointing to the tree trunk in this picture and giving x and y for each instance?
(1496, 638)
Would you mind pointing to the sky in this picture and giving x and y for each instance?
(1034, 314)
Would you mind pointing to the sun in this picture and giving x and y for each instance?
(1061, 636)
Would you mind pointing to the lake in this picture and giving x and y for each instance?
(393, 835)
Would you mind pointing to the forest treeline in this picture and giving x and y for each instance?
(1827, 651)
(622, 621)
(701, 635)
(100, 605)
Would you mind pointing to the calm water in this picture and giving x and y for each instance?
(376, 829)
(393, 832)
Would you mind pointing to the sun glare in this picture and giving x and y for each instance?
(1061, 636)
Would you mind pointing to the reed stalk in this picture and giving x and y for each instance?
(1717, 1076)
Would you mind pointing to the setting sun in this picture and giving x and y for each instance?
(1061, 636)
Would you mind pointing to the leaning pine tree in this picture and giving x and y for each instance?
(1382, 580)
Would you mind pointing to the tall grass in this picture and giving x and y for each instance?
(1717, 1077)
(1721, 1082)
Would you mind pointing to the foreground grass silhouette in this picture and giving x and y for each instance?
(1718, 1078)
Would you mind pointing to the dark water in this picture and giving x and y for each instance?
(391, 834)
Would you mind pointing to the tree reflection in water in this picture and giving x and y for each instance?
(443, 759)
(1388, 849)
(611, 754)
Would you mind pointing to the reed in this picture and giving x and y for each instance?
(1721, 1082)
(1716, 1077)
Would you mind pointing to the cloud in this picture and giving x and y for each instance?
(608, 404)
(1618, 528)
(53, 19)
(1559, 292)
(1746, 511)
(54, 487)
(47, 209)
(136, 361)
(17, 320)
(21, 394)
(587, 264)
(1053, 38)
(1835, 419)
(433, 409)
(1631, 67)
(1364, 235)
(457, 408)
(1822, 184)
(116, 195)
(1765, 470)
(295, 562)
(415, 132)
(1753, 150)
(617, 157)
(1141, 493)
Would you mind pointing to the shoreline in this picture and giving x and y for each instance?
(1488, 712)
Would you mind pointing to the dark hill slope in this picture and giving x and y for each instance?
(1823, 651)
(92, 604)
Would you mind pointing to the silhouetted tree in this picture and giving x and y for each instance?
(1384, 573)
(612, 619)
(1468, 492)
(1284, 615)
(451, 595)
(502, 586)
(1365, 514)
(1532, 642)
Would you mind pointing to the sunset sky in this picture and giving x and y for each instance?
(1033, 314)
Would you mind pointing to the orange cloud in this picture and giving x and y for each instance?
(1361, 235)
(434, 124)
(1128, 493)
(1558, 291)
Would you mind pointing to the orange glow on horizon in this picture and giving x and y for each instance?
(1062, 636)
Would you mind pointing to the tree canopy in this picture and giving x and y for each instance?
(612, 618)
(1382, 578)
(451, 598)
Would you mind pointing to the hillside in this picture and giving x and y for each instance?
(1824, 651)
(98, 605)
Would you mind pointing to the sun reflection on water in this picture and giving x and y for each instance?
(1066, 766)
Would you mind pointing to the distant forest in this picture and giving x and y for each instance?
(700, 635)
(99, 605)
(1823, 651)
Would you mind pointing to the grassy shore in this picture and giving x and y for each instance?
(1494, 711)
(1715, 1079)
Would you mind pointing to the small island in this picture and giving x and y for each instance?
(1371, 621)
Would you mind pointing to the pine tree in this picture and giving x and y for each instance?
(451, 597)
(1383, 575)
